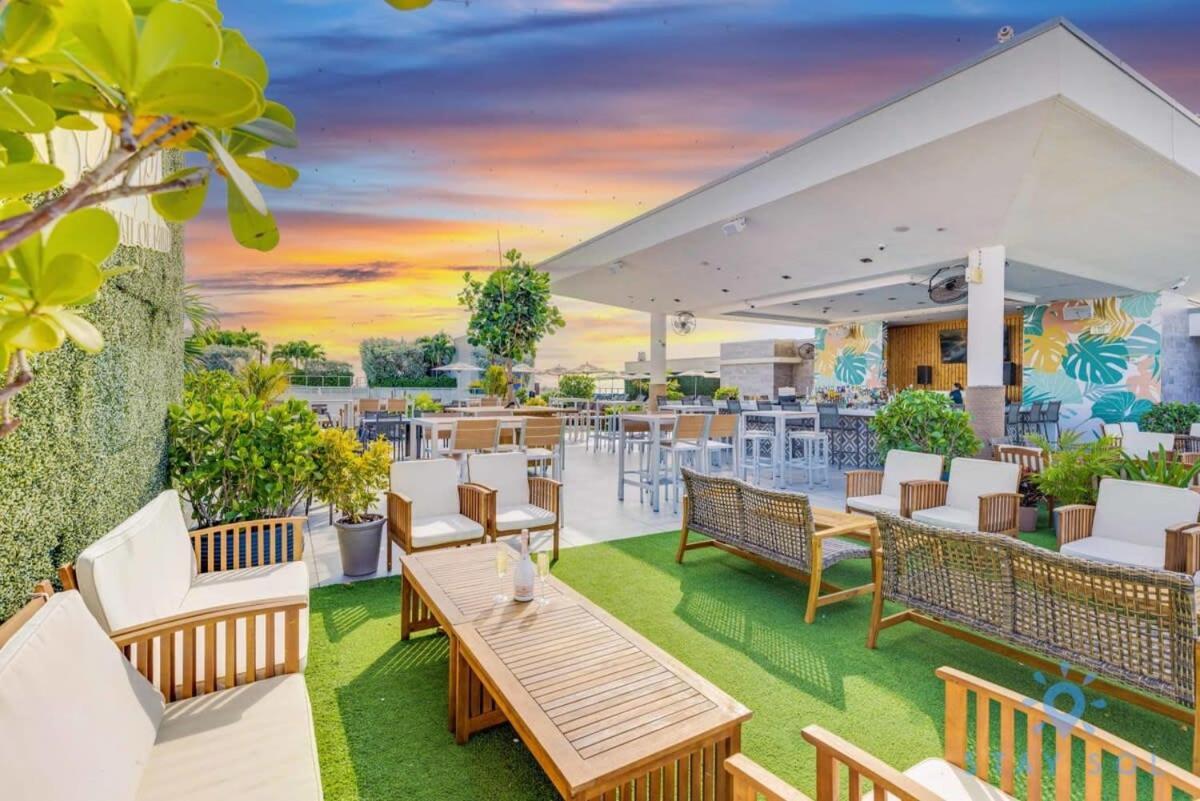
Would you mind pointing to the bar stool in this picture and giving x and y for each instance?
(814, 454)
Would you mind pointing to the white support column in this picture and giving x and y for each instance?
(985, 341)
(658, 356)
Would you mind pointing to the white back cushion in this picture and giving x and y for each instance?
(1111, 429)
(140, 570)
(970, 478)
(431, 484)
(76, 720)
(507, 473)
(1130, 428)
(1139, 511)
(1140, 444)
(909, 466)
(1195, 430)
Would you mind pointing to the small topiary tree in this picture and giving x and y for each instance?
(926, 422)
(577, 386)
(726, 393)
(1171, 418)
(495, 381)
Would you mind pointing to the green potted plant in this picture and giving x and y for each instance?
(1160, 469)
(1171, 418)
(1031, 496)
(349, 478)
(926, 422)
(1072, 474)
(726, 393)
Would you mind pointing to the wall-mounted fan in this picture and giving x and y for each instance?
(806, 351)
(684, 323)
(949, 284)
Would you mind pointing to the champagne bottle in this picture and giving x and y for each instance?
(524, 573)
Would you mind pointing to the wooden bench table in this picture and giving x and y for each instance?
(606, 713)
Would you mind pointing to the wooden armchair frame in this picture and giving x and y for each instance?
(997, 510)
(240, 545)
(995, 707)
(545, 493)
(1182, 547)
(150, 647)
(474, 501)
(37, 599)
(863, 482)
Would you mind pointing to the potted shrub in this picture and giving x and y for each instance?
(726, 393)
(1031, 496)
(350, 478)
(1072, 474)
(1171, 418)
(926, 422)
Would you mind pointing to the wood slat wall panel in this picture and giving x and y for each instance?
(911, 345)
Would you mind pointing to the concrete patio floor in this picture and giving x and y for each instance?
(591, 514)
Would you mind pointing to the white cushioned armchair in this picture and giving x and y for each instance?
(79, 720)
(520, 501)
(150, 567)
(427, 508)
(981, 495)
(873, 491)
(1133, 523)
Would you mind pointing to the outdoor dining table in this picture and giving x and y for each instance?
(656, 423)
(779, 418)
(429, 426)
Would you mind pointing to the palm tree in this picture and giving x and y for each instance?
(200, 317)
(437, 350)
(265, 381)
(297, 352)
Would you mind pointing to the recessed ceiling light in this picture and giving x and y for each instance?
(866, 260)
(795, 303)
(704, 264)
(941, 228)
(891, 298)
(786, 277)
(900, 229)
(854, 311)
(920, 303)
(724, 290)
(677, 300)
(858, 294)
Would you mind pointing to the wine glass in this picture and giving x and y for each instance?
(543, 569)
(502, 564)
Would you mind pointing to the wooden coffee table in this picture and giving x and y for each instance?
(602, 709)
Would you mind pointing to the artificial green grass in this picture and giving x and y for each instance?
(380, 704)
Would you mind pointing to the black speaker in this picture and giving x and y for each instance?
(1010, 374)
(924, 375)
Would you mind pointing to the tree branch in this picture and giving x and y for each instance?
(186, 182)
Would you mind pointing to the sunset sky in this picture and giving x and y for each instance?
(426, 134)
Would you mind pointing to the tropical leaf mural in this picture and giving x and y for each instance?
(849, 357)
(851, 367)
(1102, 369)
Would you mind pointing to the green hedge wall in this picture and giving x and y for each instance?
(429, 381)
(92, 444)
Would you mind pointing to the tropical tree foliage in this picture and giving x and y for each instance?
(159, 75)
(495, 381)
(511, 311)
(1171, 418)
(242, 338)
(577, 386)
(926, 422)
(297, 352)
(437, 350)
(267, 382)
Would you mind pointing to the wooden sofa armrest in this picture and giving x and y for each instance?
(478, 503)
(150, 647)
(863, 482)
(921, 494)
(37, 599)
(998, 512)
(1074, 522)
(1183, 549)
(833, 751)
(546, 493)
(399, 520)
(243, 545)
(748, 779)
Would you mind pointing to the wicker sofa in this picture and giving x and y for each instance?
(1134, 629)
(774, 529)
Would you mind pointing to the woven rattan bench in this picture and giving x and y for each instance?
(778, 530)
(1134, 629)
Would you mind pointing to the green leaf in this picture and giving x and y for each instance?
(268, 132)
(30, 29)
(76, 122)
(17, 147)
(25, 114)
(79, 96)
(238, 56)
(17, 180)
(281, 114)
(1097, 360)
(250, 228)
(1120, 407)
(92, 233)
(81, 332)
(106, 38)
(851, 367)
(271, 173)
(175, 35)
(1056, 386)
(184, 204)
(33, 333)
(206, 95)
(66, 279)
(1145, 340)
(236, 175)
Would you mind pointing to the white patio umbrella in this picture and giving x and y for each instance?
(556, 371)
(587, 368)
(522, 369)
(458, 367)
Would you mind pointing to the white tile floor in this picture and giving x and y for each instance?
(592, 514)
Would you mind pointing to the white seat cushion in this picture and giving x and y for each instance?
(1103, 549)
(250, 742)
(972, 478)
(526, 515)
(76, 720)
(506, 473)
(431, 531)
(539, 453)
(431, 485)
(903, 466)
(950, 782)
(1140, 512)
(873, 504)
(949, 517)
(140, 570)
(1141, 444)
(247, 585)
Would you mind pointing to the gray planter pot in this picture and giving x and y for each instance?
(359, 544)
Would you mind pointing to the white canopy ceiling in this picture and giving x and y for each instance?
(1087, 174)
